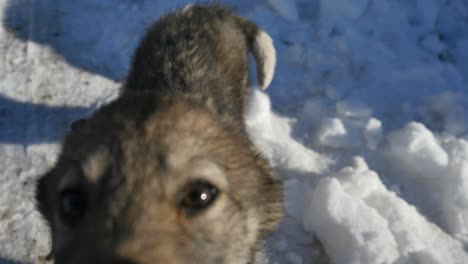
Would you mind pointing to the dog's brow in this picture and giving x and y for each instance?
(95, 165)
(209, 170)
(70, 178)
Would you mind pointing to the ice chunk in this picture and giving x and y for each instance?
(332, 133)
(373, 133)
(350, 231)
(338, 133)
(359, 220)
(358, 180)
(353, 109)
(417, 148)
(454, 188)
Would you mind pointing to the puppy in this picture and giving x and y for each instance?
(166, 173)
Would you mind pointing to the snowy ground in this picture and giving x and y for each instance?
(366, 121)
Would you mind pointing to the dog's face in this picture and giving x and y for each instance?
(149, 180)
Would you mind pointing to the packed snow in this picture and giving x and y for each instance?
(365, 123)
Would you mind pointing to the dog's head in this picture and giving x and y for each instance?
(149, 180)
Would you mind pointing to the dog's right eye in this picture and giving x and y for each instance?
(197, 196)
(72, 206)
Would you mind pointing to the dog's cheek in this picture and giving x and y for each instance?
(42, 197)
(272, 205)
(43, 204)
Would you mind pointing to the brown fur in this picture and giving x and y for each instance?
(179, 119)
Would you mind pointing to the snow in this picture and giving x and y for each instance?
(441, 167)
(373, 133)
(365, 122)
(351, 231)
(371, 224)
(286, 8)
(417, 148)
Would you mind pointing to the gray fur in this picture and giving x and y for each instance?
(179, 118)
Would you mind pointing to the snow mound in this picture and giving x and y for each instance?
(417, 148)
(273, 134)
(381, 85)
(441, 166)
(360, 221)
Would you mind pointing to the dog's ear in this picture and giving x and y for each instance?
(77, 124)
(265, 56)
(261, 46)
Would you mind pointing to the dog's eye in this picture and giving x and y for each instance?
(72, 206)
(197, 196)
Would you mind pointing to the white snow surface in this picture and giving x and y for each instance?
(365, 122)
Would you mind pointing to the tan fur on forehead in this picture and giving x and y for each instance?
(181, 124)
(95, 165)
(183, 115)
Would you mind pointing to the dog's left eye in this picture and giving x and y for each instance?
(72, 206)
(197, 196)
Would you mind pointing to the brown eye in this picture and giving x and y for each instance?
(72, 206)
(197, 196)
